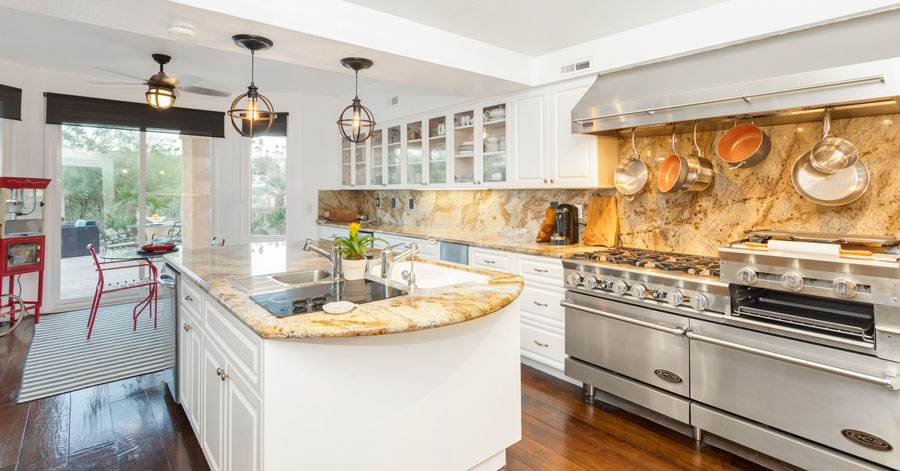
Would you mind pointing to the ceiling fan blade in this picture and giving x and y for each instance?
(204, 91)
(142, 79)
(187, 80)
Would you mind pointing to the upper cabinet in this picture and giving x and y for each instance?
(522, 141)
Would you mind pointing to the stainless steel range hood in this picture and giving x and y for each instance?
(654, 106)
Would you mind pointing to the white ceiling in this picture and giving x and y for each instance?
(535, 27)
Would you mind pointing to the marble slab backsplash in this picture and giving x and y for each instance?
(692, 222)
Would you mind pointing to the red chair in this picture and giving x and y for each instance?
(217, 241)
(103, 287)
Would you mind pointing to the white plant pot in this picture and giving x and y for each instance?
(354, 269)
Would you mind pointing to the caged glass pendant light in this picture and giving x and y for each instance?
(356, 121)
(251, 113)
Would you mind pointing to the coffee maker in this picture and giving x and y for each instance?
(566, 224)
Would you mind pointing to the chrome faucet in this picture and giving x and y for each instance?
(388, 259)
(337, 268)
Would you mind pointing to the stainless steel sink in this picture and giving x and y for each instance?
(252, 284)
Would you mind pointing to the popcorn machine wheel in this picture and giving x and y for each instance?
(22, 243)
(9, 305)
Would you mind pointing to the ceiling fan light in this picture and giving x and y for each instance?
(160, 97)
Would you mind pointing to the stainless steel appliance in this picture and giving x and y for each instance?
(167, 296)
(566, 224)
(790, 353)
(456, 253)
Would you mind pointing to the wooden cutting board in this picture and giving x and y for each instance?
(602, 222)
(548, 225)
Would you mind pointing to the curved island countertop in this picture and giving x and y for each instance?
(211, 267)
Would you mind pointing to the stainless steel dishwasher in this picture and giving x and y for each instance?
(168, 299)
(456, 253)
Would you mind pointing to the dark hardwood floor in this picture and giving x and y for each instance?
(134, 424)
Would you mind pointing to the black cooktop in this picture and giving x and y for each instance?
(311, 298)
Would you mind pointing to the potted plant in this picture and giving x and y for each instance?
(353, 250)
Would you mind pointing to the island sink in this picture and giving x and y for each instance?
(430, 276)
(252, 284)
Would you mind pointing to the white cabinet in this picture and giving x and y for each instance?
(492, 259)
(577, 160)
(190, 341)
(212, 406)
(243, 442)
(530, 138)
(354, 164)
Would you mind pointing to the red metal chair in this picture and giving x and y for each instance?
(103, 287)
(217, 241)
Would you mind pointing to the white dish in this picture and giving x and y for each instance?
(493, 140)
(467, 143)
(338, 307)
(465, 153)
(497, 113)
(492, 147)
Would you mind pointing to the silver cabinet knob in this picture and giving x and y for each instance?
(639, 291)
(675, 298)
(746, 275)
(573, 279)
(792, 281)
(699, 302)
(546, 181)
(552, 181)
(844, 288)
(187, 327)
(620, 287)
(219, 371)
(589, 282)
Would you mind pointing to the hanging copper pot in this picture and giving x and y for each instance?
(673, 172)
(744, 145)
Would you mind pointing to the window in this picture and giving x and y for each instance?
(268, 160)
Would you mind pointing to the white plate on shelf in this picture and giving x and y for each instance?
(465, 154)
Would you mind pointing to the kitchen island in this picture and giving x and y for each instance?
(425, 380)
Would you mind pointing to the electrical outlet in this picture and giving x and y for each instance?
(393, 202)
(410, 203)
(580, 210)
(377, 202)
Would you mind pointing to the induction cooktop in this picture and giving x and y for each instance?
(311, 298)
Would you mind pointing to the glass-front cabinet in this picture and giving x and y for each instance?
(437, 151)
(346, 163)
(394, 155)
(360, 163)
(414, 164)
(464, 147)
(494, 161)
(377, 159)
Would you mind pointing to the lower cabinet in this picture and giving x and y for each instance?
(223, 408)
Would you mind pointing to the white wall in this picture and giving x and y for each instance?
(312, 139)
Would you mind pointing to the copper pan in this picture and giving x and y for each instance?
(743, 146)
(673, 172)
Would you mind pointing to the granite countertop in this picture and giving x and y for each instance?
(211, 267)
(510, 243)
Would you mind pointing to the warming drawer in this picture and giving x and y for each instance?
(822, 394)
(633, 341)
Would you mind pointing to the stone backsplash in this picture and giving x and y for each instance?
(692, 222)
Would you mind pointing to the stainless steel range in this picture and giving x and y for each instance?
(788, 343)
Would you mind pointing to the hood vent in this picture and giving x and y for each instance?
(612, 104)
(576, 67)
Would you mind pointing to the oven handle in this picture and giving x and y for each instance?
(678, 331)
(890, 382)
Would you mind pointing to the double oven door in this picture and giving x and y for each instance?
(834, 397)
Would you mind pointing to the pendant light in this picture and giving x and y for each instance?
(251, 113)
(161, 91)
(356, 121)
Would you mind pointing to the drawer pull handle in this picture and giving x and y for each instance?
(679, 331)
(188, 297)
(539, 304)
(489, 261)
(539, 344)
(891, 382)
(541, 270)
(187, 327)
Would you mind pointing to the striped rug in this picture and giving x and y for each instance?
(61, 360)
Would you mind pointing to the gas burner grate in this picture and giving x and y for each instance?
(666, 261)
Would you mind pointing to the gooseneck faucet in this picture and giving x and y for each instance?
(388, 258)
(337, 267)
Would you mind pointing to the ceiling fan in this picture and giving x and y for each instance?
(161, 87)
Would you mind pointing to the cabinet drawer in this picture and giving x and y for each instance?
(241, 345)
(542, 269)
(547, 344)
(544, 303)
(491, 259)
(191, 296)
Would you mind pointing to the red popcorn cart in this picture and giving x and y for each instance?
(21, 240)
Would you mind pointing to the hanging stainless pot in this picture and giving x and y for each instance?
(673, 172)
(699, 169)
(631, 174)
(832, 154)
(744, 145)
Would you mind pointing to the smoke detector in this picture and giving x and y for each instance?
(181, 30)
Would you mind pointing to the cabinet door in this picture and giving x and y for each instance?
(376, 159)
(530, 124)
(415, 165)
(212, 402)
(243, 442)
(193, 380)
(437, 151)
(184, 363)
(359, 162)
(494, 162)
(346, 163)
(573, 157)
(464, 148)
(394, 156)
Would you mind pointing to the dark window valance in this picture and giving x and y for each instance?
(85, 111)
(279, 127)
(10, 103)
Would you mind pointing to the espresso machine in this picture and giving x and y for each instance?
(566, 224)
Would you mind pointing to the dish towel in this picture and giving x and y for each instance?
(602, 222)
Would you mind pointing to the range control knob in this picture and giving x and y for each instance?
(589, 282)
(658, 295)
(573, 279)
(792, 281)
(604, 285)
(639, 291)
(699, 302)
(844, 288)
(746, 275)
(620, 287)
(674, 298)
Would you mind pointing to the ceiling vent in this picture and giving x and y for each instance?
(575, 67)
(181, 30)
